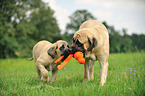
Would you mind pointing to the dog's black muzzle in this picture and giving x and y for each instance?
(72, 50)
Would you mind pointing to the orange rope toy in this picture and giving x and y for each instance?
(78, 56)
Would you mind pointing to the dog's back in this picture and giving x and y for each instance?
(38, 48)
(93, 24)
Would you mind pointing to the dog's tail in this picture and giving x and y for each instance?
(29, 58)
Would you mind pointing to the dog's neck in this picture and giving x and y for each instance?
(90, 56)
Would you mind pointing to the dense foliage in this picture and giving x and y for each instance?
(25, 22)
(22, 24)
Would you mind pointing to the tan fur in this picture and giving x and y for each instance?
(44, 61)
(94, 29)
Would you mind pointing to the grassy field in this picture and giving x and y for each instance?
(126, 77)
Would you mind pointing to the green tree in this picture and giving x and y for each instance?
(118, 43)
(76, 19)
(8, 44)
(46, 24)
(115, 38)
(126, 42)
(138, 42)
(142, 43)
(18, 32)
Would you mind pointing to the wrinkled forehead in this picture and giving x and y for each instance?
(80, 38)
(65, 44)
(60, 42)
(62, 45)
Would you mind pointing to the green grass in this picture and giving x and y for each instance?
(18, 77)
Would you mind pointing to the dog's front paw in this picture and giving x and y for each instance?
(45, 79)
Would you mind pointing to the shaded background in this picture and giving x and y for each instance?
(25, 22)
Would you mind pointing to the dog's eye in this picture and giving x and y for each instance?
(62, 47)
(67, 46)
(73, 40)
(79, 44)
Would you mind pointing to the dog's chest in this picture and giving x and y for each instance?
(90, 56)
(51, 67)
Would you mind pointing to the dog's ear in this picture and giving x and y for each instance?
(52, 51)
(93, 44)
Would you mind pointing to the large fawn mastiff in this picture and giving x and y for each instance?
(93, 40)
(44, 55)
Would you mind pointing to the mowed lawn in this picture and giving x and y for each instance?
(126, 77)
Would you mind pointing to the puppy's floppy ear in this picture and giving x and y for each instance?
(93, 44)
(52, 51)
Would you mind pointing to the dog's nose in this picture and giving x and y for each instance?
(69, 50)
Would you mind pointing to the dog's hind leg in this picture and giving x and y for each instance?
(38, 72)
(86, 72)
(91, 70)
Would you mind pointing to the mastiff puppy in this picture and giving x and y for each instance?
(44, 55)
(93, 40)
